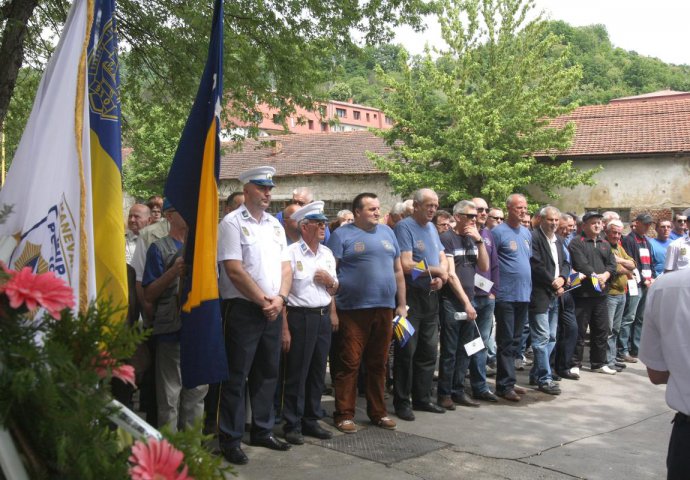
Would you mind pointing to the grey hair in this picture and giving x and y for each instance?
(614, 223)
(462, 205)
(305, 191)
(549, 209)
(418, 195)
(512, 197)
(566, 216)
(342, 213)
(398, 208)
(610, 215)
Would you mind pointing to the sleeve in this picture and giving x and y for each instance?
(579, 258)
(447, 245)
(335, 244)
(284, 254)
(564, 267)
(651, 349)
(404, 236)
(495, 268)
(611, 265)
(154, 265)
(671, 257)
(229, 241)
(540, 276)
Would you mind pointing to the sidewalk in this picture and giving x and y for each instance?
(600, 427)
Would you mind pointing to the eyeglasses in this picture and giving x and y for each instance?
(320, 223)
(298, 202)
(469, 216)
(681, 220)
(481, 209)
(498, 219)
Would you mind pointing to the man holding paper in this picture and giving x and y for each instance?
(424, 265)
(466, 252)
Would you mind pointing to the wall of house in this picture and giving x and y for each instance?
(631, 183)
(337, 191)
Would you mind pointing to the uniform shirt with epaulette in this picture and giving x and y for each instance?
(305, 292)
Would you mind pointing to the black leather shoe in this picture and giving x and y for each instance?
(428, 407)
(294, 437)
(487, 396)
(551, 388)
(568, 375)
(555, 378)
(271, 442)
(234, 455)
(405, 413)
(620, 365)
(464, 400)
(316, 431)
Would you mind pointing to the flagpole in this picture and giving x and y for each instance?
(2, 154)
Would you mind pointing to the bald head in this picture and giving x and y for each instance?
(139, 216)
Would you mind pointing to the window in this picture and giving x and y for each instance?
(389, 121)
(276, 118)
(367, 117)
(292, 122)
(341, 112)
(375, 117)
(324, 127)
(311, 124)
(356, 114)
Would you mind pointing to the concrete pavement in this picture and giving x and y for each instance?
(600, 427)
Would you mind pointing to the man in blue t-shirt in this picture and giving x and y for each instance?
(660, 245)
(514, 245)
(415, 362)
(370, 281)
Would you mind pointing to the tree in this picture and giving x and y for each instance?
(274, 52)
(469, 123)
(340, 91)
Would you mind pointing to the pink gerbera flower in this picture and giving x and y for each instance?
(122, 372)
(125, 373)
(157, 460)
(45, 290)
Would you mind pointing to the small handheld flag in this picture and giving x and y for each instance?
(595, 283)
(403, 330)
(575, 279)
(419, 269)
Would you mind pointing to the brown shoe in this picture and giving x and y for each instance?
(519, 389)
(346, 426)
(446, 402)
(509, 395)
(629, 359)
(385, 422)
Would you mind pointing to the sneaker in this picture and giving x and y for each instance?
(605, 369)
(385, 422)
(575, 371)
(552, 388)
(519, 364)
(346, 426)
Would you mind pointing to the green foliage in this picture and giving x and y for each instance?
(340, 91)
(468, 124)
(20, 108)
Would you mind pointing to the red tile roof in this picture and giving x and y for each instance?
(646, 125)
(306, 154)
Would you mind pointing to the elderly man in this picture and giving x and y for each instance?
(233, 202)
(637, 244)
(415, 362)
(466, 252)
(615, 299)
(137, 219)
(593, 258)
(310, 322)
(367, 250)
(396, 214)
(664, 351)
(680, 226)
(255, 279)
(566, 334)
(494, 218)
(660, 244)
(566, 228)
(514, 246)
(550, 272)
(485, 296)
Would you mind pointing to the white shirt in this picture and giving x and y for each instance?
(147, 236)
(260, 246)
(665, 344)
(130, 246)
(305, 292)
(554, 253)
(678, 254)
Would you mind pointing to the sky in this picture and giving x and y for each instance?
(656, 28)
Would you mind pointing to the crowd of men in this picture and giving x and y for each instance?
(484, 288)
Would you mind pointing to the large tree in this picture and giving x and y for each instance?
(468, 122)
(274, 53)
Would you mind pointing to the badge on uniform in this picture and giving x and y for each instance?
(387, 245)
(245, 231)
(420, 245)
(299, 266)
(277, 231)
(683, 251)
(513, 245)
(245, 214)
(359, 247)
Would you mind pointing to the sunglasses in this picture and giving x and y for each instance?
(469, 216)
(681, 221)
(497, 218)
(481, 209)
(320, 223)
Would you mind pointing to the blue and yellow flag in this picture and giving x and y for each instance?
(106, 158)
(419, 269)
(575, 279)
(403, 330)
(192, 188)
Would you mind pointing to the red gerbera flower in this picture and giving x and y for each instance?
(157, 460)
(46, 290)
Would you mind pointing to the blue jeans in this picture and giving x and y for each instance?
(510, 321)
(631, 326)
(485, 321)
(543, 330)
(616, 305)
(454, 361)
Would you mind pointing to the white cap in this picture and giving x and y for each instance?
(311, 211)
(260, 176)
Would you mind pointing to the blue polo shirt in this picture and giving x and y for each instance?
(514, 247)
(366, 262)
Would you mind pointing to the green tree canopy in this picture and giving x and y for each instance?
(468, 123)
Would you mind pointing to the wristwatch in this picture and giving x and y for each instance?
(284, 299)
(481, 240)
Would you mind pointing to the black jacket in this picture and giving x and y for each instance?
(591, 256)
(544, 269)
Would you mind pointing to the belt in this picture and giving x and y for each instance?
(317, 310)
(241, 301)
(681, 418)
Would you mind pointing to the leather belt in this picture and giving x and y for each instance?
(317, 310)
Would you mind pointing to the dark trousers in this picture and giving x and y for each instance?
(592, 312)
(511, 318)
(566, 338)
(305, 367)
(415, 363)
(253, 347)
(678, 460)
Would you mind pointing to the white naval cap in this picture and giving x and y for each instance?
(260, 176)
(311, 211)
